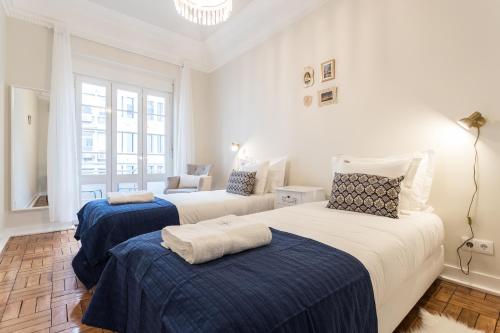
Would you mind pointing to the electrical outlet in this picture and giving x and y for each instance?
(482, 246)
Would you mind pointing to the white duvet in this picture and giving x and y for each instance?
(390, 249)
(200, 206)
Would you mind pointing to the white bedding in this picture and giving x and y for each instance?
(199, 206)
(390, 249)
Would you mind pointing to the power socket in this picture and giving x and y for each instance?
(479, 245)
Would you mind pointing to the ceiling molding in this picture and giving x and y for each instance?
(12, 11)
(255, 23)
(99, 24)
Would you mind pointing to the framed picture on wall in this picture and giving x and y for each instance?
(308, 101)
(308, 77)
(328, 70)
(327, 96)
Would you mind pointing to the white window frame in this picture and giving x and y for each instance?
(112, 179)
(117, 179)
(94, 179)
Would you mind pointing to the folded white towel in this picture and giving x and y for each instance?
(116, 198)
(209, 240)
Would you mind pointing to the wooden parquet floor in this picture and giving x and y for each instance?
(38, 288)
(40, 293)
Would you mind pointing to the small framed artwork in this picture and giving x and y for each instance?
(328, 70)
(327, 96)
(308, 101)
(308, 77)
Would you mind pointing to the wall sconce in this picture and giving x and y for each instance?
(475, 120)
(235, 147)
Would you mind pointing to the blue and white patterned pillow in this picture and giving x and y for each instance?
(369, 194)
(241, 182)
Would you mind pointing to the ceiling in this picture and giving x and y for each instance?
(154, 29)
(162, 14)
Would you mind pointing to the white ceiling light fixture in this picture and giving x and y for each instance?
(204, 12)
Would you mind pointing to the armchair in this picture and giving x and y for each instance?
(198, 178)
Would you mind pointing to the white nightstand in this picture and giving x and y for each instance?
(296, 195)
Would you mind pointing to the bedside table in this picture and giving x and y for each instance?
(296, 195)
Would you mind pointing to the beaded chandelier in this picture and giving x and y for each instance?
(204, 12)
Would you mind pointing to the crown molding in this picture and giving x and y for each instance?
(250, 27)
(244, 33)
(11, 11)
(90, 21)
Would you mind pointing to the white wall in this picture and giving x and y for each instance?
(24, 147)
(29, 49)
(28, 65)
(2, 117)
(406, 70)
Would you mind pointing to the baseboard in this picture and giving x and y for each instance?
(28, 230)
(477, 280)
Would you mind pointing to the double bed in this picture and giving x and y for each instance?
(402, 257)
(103, 226)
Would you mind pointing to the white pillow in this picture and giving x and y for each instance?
(262, 169)
(417, 169)
(422, 185)
(276, 175)
(189, 181)
(390, 169)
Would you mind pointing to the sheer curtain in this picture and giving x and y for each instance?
(184, 144)
(62, 158)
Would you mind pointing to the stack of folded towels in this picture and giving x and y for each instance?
(118, 198)
(212, 239)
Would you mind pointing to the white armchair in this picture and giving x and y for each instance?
(199, 180)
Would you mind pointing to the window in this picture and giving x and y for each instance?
(124, 135)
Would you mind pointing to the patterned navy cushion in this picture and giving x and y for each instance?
(241, 182)
(369, 194)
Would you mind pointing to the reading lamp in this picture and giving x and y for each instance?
(475, 120)
(235, 147)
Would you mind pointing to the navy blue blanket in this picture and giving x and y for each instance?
(293, 285)
(103, 226)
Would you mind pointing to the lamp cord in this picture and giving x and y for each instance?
(469, 218)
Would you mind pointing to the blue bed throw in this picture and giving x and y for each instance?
(103, 226)
(292, 285)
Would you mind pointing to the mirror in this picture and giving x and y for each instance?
(29, 128)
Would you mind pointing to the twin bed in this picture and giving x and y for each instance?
(326, 270)
(103, 226)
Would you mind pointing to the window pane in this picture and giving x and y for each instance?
(91, 192)
(155, 135)
(127, 187)
(127, 126)
(93, 115)
(93, 95)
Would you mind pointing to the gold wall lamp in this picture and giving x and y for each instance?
(475, 120)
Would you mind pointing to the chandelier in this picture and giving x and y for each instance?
(205, 12)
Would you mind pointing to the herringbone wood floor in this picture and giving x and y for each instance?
(40, 293)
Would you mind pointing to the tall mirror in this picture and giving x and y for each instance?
(29, 128)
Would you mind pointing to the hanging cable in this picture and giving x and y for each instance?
(469, 218)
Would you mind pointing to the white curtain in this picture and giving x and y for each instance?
(62, 158)
(184, 144)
